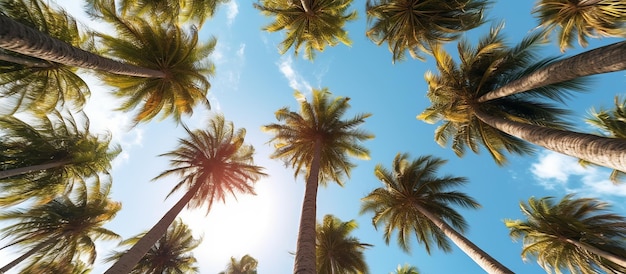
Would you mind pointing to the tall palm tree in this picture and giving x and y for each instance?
(41, 158)
(574, 234)
(317, 140)
(508, 123)
(415, 200)
(34, 83)
(172, 253)
(211, 163)
(314, 23)
(581, 19)
(337, 251)
(413, 25)
(605, 59)
(161, 45)
(247, 265)
(63, 229)
(406, 269)
(611, 123)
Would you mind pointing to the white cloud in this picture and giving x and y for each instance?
(555, 171)
(232, 9)
(296, 81)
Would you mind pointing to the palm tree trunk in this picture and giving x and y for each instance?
(23, 170)
(609, 256)
(305, 246)
(608, 152)
(28, 41)
(601, 60)
(484, 260)
(24, 61)
(32, 251)
(127, 262)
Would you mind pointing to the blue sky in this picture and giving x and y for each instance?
(253, 80)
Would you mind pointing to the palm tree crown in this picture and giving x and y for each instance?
(581, 19)
(337, 251)
(413, 25)
(574, 234)
(314, 23)
(246, 265)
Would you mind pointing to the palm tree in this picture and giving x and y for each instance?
(34, 83)
(611, 123)
(406, 269)
(415, 200)
(161, 45)
(317, 141)
(314, 23)
(171, 253)
(413, 25)
(212, 163)
(508, 123)
(337, 251)
(41, 158)
(75, 267)
(581, 19)
(195, 11)
(63, 229)
(575, 234)
(247, 265)
(604, 59)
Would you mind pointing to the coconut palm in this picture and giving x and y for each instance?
(42, 158)
(508, 123)
(574, 234)
(247, 265)
(413, 25)
(317, 141)
(170, 254)
(63, 229)
(414, 200)
(337, 251)
(611, 123)
(406, 269)
(34, 83)
(581, 19)
(314, 23)
(211, 163)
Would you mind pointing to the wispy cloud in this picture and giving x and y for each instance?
(296, 81)
(232, 9)
(555, 171)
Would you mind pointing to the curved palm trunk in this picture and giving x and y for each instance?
(609, 256)
(32, 251)
(127, 262)
(305, 247)
(601, 60)
(484, 260)
(29, 169)
(609, 152)
(28, 41)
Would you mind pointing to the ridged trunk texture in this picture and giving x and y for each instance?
(601, 60)
(484, 260)
(608, 152)
(609, 256)
(23, 170)
(305, 246)
(127, 262)
(24, 256)
(28, 41)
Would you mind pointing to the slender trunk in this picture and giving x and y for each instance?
(24, 61)
(601, 60)
(305, 247)
(609, 152)
(484, 260)
(28, 41)
(23, 170)
(609, 256)
(32, 251)
(127, 262)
